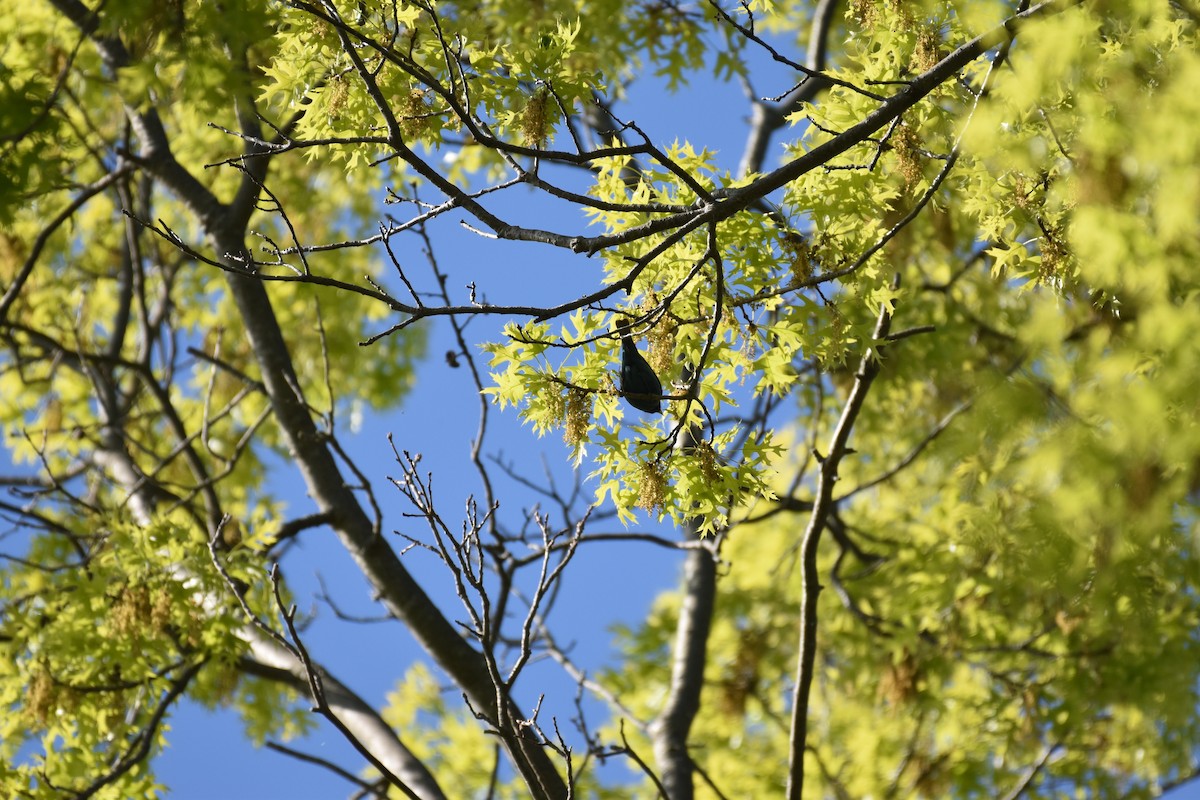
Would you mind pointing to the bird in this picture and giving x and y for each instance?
(640, 386)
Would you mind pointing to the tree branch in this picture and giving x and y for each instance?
(360, 723)
(827, 476)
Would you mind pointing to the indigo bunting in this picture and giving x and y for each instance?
(640, 385)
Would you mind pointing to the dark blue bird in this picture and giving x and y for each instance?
(639, 384)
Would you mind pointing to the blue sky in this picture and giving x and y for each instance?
(605, 583)
(208, 756)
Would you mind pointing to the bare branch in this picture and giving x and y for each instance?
(377, 789)
(1027, 779)
(827, 475)
(316, 685)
